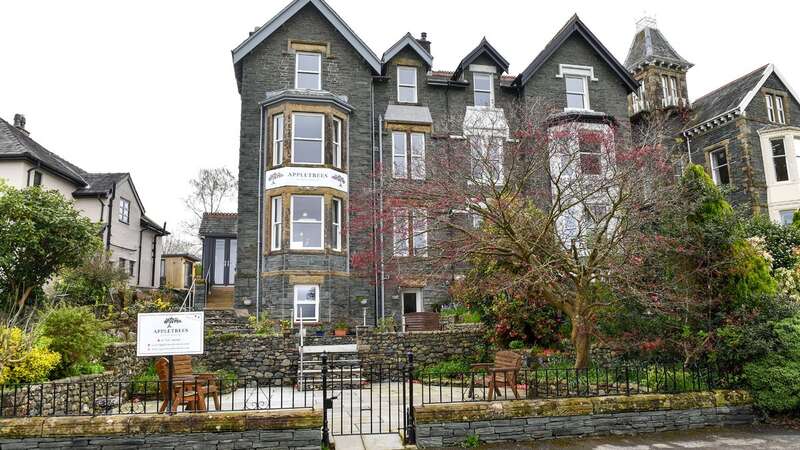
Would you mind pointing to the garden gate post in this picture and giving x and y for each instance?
(327, 403)
(411, 427)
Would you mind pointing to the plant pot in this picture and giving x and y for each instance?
(340, 332)
(319, 333)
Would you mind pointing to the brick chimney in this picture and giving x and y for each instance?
(19, 123)
(424, 42)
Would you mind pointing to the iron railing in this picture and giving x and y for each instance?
(547, 383)
(108, 397)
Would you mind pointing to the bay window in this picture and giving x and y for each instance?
(406, 84)
(277, 140)
(308, 71)
(306, 303)
(277, 219)
(482, 89)
(487, 158)
(307, 223)
(307, 138)
(591, 158)
(337, 143)
(779, 160)
(336, 224)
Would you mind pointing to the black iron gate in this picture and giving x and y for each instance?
(368, 399)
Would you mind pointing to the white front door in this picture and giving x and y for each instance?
(412, 300)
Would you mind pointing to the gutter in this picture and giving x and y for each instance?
(380, 216)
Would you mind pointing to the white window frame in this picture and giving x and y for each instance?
(278, 122)
(124, 215)
(413, 69)
(400, 232)
(598, 153)
(416, 162)
(297, 70)
(475, 89)
(321, 140)
(314, 302)
(770, 108)
(779, 108)
(276, 233)
(715, 167)
(336, 223)
(418, 217)
(585, 92)
(789, 212)
(396, 156)
(796, 142)
(785, 157)
(337, 143)
(296, 245)
(479, 148)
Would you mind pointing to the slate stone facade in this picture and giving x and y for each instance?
(357, 87)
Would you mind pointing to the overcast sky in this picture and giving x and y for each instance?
(147, 87)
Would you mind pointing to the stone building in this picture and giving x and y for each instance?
(746, 133)
(320, 112)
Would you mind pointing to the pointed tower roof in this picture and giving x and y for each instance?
(649, 46)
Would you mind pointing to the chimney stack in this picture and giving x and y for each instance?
(19, 123)
(646, 22)
(424, 42)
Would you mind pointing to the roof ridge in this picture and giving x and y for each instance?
(760, 69)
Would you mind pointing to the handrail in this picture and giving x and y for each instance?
(189, 293)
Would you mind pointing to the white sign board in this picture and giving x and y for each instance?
(306, 177)
(171, 333)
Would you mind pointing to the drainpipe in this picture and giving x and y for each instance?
(110, 211)
(688, 146)
(260, 224)
(102, 207)
(380, 216)
(139, 266)
(374, 202)
(153, 265)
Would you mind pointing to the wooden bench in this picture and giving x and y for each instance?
(189, 388)
(422, 321)
(504, 372)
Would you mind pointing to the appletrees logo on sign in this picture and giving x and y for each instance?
(164, 334)
(306, 177)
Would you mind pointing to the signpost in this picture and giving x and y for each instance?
(168, 334)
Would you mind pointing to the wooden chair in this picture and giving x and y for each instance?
(208, 381)
(183, 390)
(502, 373)
(422, 321)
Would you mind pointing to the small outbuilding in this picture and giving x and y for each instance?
(177, 270)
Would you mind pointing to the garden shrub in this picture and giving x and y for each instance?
(444, 369)
(24, 358)
(386, 325)
(90, 283)
(779, 240)
(263, 326)
(516, 344)
(76, 334)
(773, 378)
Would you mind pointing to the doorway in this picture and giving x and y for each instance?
(224, 260)
(412, 300)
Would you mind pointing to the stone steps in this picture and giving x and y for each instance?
(344, 366)
(220, 321)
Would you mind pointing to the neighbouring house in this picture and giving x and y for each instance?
(320, 112)
(746, 133)
(177, 270)
(132, 239)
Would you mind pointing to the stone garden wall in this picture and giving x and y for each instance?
(293, 429)
(429, 347)
(528, 420)
(85, 394)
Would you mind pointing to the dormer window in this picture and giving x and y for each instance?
(406, 84)
(483, 84)
(308, 71)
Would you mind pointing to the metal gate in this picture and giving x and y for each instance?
(368, 399)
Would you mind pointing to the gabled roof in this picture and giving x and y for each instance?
(733, 98)
(484, 47)
(16, 144)
(219, 224)
(288, 12)
(650, 46)
(576, 25)
(410, 41)
(99, 183)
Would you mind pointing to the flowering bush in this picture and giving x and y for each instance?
(23, 358)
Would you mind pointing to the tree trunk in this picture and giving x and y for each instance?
(581, 340)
